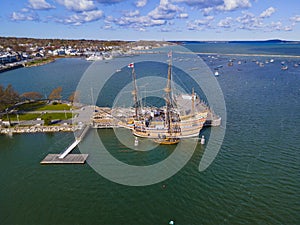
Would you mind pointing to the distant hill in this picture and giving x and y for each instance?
(254, 41)
(264, 41)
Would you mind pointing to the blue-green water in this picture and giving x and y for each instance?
(255, 179)
(247, 48)
(43, 79)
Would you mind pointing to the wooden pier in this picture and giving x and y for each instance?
(69, 159)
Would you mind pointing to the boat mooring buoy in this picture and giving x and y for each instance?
(136, 141)
(202, 140)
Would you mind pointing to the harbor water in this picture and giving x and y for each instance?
(254, 179)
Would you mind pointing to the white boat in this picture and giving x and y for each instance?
(94, 57)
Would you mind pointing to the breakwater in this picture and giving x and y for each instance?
(38, 129)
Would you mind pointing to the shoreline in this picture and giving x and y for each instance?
(37, 63)
(14, 67)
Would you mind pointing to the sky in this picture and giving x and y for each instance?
(198, 20)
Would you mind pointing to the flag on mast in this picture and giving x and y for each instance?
(131, 65)
(170, 54)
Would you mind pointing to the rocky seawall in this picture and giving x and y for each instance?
(38, 129)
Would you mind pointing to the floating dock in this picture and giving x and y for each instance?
(65, 157)
(69, 159)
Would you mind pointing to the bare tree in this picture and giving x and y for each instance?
(55, 94)
(31, 95)
(74, 97)
(8, 97)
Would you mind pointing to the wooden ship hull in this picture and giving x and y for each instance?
(172, 123)
(185, 128)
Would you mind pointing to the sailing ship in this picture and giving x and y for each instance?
(177, 120)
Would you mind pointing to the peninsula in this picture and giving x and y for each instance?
(20, 52)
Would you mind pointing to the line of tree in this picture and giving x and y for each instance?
(9, 97)
(31, 96)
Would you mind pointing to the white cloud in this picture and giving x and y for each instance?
(201, 3)
(140, 3)
(221, 5)
(78, 5)
(183, 15)
(107, 27)
(278, 26)
(162, 15)
(84, 17)
(109, 19)
(226, 23)
(207, 11)
(200, 24)
(268, 12)
(25, 10)
(159, 16)
(295, 18)
(110, 1)
(230, 5)
(164, 11)
(16, 16)
(138, 22)
(132, 13)
(40, 5)
(164, 29)
(249, 21)
(288, 28)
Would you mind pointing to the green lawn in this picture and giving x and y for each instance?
(57, 116)
(31, 106)
(23, 117)
(37, 108)
(42, 106)
(54, 107)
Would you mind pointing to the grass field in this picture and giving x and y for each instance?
(31, 106)
(54, 107)
(37, 110)
(42, 106)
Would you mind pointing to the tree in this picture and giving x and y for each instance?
(31, 95)
(47, 120)
(8, 97)
(55, 94)
(74, 97)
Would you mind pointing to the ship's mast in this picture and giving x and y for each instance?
(134, 92)
(168, 90)
(193, 102)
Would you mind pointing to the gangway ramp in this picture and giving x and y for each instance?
(69, 149)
